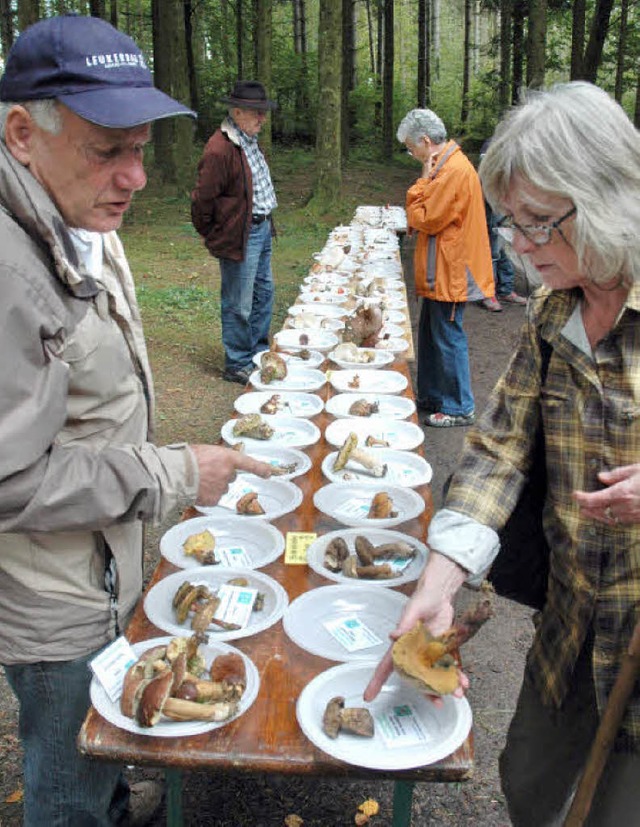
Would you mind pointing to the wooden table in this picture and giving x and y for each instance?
(267, 737)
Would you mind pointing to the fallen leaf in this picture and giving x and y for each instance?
(15, 797)
(293, 821)
(370, 807)
(360, 819)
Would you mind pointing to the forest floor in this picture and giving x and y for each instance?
(493, 659)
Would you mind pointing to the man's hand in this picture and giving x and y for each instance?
(431, 603)
(218, 467)
(619, 502)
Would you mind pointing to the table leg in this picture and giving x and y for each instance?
(174, 797)
(402, 798)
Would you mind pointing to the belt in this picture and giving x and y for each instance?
(258, 218)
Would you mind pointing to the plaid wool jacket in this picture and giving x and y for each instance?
(590, 409)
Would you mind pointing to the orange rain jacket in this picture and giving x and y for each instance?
(452, 260)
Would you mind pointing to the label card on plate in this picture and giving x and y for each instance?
(401, 727)
(351, 633)
(111, 664)
(236, 557)
(354, 508)
(298, 542)
(236, 604)
(238, 488)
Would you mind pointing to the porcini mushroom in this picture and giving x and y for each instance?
(350, 451)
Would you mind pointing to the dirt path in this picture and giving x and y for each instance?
(493, 660)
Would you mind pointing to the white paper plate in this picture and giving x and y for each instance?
(445, 727)
(313, 322)
(394, 345)
(394, 316)
(325, 296)
(325, 311)
(235, 536)
(322, 340)
(379, 381)
(327, 278)
(277, 496)
(348, 503)
(297, 379)
(292, 403)
(293, 360)
(378, 610)
(315, 555)
(404, 468)
(389, 406)
(288, 431)
(176, 729)
(380, 359)
(401, 435)
(395, 302)
(390, 331)
(278, 456)
(159, 610)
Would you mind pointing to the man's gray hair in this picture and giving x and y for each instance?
(46, 114)
(576, 142)
(420, 122)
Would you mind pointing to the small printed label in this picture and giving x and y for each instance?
(235, 556)
(401, 727)
(111, 665)
(354, 508)
(297, 543)
(236, 604)
(238, 488)
(351, 633)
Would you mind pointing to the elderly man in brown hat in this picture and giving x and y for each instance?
(231, 208)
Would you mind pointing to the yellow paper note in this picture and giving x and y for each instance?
(297, 543)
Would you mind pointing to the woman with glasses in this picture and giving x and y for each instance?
(564, 170)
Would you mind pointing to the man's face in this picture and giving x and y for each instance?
(90, 172)
(249, 120)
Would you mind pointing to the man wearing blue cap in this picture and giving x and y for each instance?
(78, 470)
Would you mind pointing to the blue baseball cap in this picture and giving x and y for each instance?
(89, 66)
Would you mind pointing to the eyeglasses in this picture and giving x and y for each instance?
(537, 235)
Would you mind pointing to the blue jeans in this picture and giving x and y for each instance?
(247, 300)
(503, 272)
(62, 788)
(444, 380)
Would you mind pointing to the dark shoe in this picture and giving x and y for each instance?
(145, 798)
(491, 304)
(443, 420)
(241, 376)
(513, 298)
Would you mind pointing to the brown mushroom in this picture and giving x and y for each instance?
(249, 504)
(350, 451)
(153, 698)
(381, 507)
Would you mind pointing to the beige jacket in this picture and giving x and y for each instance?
(78, 473)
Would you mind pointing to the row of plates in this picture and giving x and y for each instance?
(344, 381)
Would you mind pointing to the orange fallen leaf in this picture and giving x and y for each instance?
(293, 821)
(370, 807)
(15, 797)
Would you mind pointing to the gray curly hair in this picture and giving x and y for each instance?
(420, 122)
(576, 142)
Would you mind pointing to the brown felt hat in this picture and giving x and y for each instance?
(249, 94)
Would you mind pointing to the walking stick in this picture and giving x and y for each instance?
(606, 732)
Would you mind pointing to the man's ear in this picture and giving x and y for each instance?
(18, 133)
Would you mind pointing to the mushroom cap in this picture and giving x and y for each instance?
(345, 451)
(131, 688)
(229, 667)
(153, 699)
(331, 719)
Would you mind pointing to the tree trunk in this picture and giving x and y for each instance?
(517, 51)
(6, 27)
(28, 13)
(577, 38)
(239, 30)
(387, 82)
(464, 109)
(597, 36)
(435, 43)
(113, 14)
(328, 162)
(295, 8)
(475, 44)
(536, 43)
(97, 8)
(636, 116)
(173, 137)
(264, 34)
(622, 48)
(348, 73)
(424, 68)
(191, 67)
(372, 57)
(504, 84)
